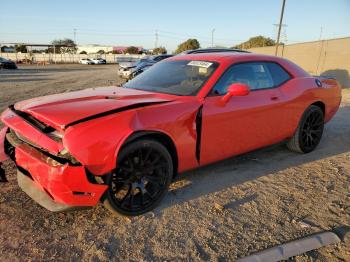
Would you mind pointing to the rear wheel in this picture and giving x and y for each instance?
(141, 179)
(309, 132)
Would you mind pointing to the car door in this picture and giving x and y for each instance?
(244, 123)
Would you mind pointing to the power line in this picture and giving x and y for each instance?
(156, 39)
(212, 37)
(197, 36)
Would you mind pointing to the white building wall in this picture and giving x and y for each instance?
(92, 49)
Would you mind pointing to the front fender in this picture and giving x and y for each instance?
(95, 142)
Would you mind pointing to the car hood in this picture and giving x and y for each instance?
(63, 110)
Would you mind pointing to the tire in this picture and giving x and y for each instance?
(309, 132)
(141, 180)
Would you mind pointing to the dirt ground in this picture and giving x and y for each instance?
(269, 197)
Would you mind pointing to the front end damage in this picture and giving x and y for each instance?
(46, 171)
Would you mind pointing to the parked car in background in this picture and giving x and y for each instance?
(98, 61)
(128, 61)
(86, 61)
(126, 66)
(127, 72)
(140, 69)
(7, 64)
(123, 146)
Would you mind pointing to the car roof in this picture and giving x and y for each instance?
(213, 49)
(220, 56)
(227, 58)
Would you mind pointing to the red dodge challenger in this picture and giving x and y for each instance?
(123, 145)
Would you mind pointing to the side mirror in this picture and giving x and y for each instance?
(237, 89)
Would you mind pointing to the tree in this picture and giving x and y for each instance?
(256, 41)
(21, 48)
(101, 52)
(4, 48)
(159, 51)
(190, 44)
(132, 50)
(65, 45)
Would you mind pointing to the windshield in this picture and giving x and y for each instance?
(182, 77)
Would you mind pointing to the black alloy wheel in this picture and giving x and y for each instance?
(309, 132)
(141, 179)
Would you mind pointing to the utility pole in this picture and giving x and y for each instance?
(156, 39)
(212, 37)
(279, 27)
(283, 31)
(75, 35)
(321, 31)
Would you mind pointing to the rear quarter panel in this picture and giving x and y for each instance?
(300, 93)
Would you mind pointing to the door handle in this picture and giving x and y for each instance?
(274, 98)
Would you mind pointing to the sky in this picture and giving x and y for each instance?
(125, 23)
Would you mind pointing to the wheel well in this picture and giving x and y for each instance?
(162, 138)
(320, 105)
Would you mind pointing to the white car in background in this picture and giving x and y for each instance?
(86, 61)
(98, 61)
(129, 71)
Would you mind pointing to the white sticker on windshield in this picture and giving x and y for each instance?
(200, 64)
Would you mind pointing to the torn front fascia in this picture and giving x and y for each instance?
(62, 158)
(33, 121)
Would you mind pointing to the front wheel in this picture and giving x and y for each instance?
(309, 132)
(141, 179)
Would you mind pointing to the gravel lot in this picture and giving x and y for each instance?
(218, 213)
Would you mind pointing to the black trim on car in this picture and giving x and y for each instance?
(113, 111)
(199, 133)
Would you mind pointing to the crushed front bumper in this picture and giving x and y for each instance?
(41, 197)
(54, 185)
(66, 185)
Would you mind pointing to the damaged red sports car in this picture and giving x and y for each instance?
(124, 145)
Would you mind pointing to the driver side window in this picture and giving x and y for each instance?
(254, 74)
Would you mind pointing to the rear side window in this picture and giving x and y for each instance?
(257, 75)
(279, 75)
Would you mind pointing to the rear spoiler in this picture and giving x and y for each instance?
(326, 80)
(325, 77)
